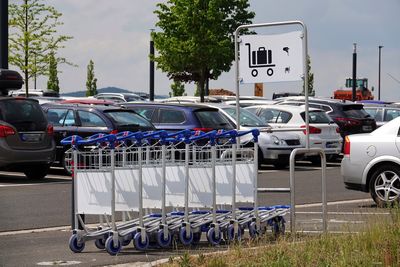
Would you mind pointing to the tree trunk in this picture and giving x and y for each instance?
(202, 82)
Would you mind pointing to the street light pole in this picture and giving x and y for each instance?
(354, 85)
(151, 90)
(379, 74)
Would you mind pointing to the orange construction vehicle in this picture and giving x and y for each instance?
(362, 92)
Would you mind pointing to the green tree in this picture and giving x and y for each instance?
(91, 82)
(177, 88)
(311, 91)
(33, 36)
(196, 41)
(53, 82)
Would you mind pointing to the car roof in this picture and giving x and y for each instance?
(317, 100)
(286, 108)
(82, 106)
(168, 104)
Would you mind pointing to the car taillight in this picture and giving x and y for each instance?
(114, 132)
(50, 129)
(6, 131)
(347, 121)
(346, 148)
(313, 130)
(203, 129)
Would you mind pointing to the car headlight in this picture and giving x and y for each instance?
(276, 140)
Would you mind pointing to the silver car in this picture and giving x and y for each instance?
(26, 138)
(371, 163)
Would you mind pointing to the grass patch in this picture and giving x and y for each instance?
(378, 245)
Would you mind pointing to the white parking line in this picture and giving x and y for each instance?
(365, 200)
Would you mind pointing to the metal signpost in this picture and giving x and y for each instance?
(278, 58)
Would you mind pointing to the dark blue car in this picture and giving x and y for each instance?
(87, 120)
(175, 117)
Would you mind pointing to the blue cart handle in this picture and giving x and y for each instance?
(254, 132)
(209, 135)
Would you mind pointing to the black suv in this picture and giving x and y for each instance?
(87, 120)
(349, 116)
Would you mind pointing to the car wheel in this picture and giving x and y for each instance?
(384, 185)
(280, 164)
(66, 161)
(37, 172)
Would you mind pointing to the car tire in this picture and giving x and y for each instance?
(37, 172)
(279, 165)
(66, 162)
(384, 185)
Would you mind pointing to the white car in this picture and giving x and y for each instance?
(371, 163)
(275, 148)
(324, 133)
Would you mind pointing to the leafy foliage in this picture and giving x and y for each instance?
(33, 37)
(196, 41)
(177, 88)
(53, 82)
(311, 91)
(91, 82)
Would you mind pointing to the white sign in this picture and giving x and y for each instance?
(271, 58)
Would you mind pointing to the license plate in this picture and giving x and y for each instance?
(367, 128)
(31, 137)
(331, 144)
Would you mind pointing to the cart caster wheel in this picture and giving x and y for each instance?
(196, 238)
(164, 243)
(137, 240)
(231, 236)
(253, 231)
(186, 241)
(74, 245)
(100, 243)
(212, 237)
(278, 226)
(112, 248)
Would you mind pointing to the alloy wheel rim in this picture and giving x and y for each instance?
(387, 186)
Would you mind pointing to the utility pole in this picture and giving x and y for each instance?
(4, 34)
(151, 97)
(379, 73)
(354, 85)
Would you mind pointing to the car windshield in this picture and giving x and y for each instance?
(355, 111)
(130, 98)
(23, 114)
(317, 117)
(213, 119)
(247, 119)
(126, 118)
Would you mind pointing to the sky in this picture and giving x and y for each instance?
(116, 35)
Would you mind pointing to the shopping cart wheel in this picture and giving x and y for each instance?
(111, 247)
(278, 226)
(137, 240)
(196, 238)
(186, 241)
(74, 245)
(231, 236)
(161, 241)
(212, 237)
(100, 243)
(253, 231)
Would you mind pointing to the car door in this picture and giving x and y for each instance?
(398, 142)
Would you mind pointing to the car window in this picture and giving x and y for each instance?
(269, 115)
(146, 113)
(213, 119)
(56, 116)
(90, 119)
(374, 113)
(391, 114)
(316, 117)
(171, 116)
(130, 98)
(70, 119)
(284, 117)
(355, 111)
(24, 115)
(123, 118)
(247, 119)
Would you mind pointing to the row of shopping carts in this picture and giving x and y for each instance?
(194, 180)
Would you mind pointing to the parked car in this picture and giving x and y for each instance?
(119, 97)
(371, 163)
(88, 101)
(175, 117)
(250, 102)
(274, 148)
(324, 133)
(189, 99)
(35, 92)
(26, 138)
(349, 116)
(382, 113)
(86, 120)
